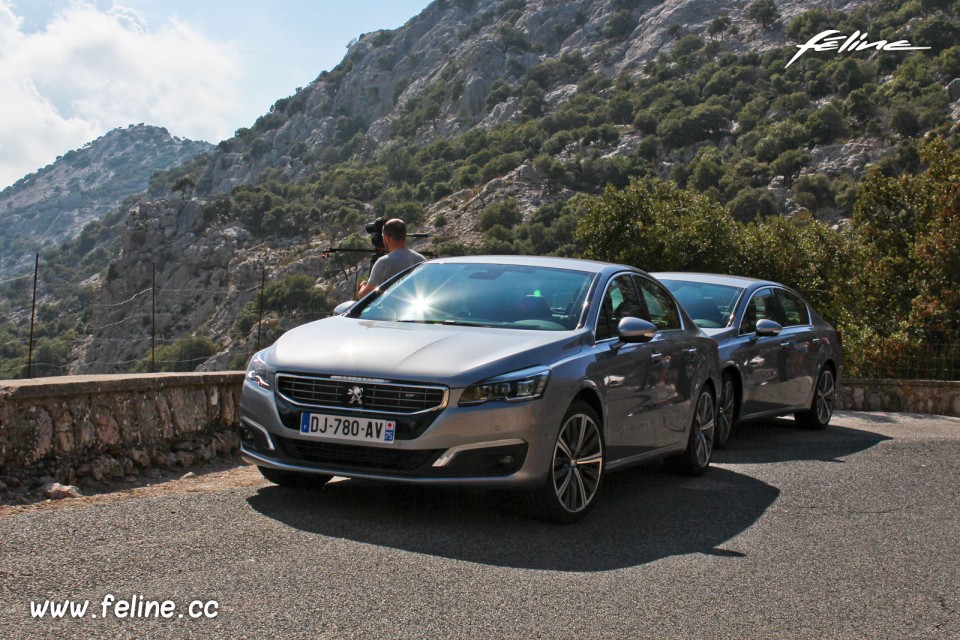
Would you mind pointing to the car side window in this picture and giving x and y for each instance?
(762, 306)
(620, 301)
(661, 309)
(793, 311)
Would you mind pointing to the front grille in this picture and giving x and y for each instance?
(358, 457)
(403, 399)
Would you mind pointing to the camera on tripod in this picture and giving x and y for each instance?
(375, 229)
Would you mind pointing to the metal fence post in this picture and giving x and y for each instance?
(263, 281)
(33, 316)
(153, 330)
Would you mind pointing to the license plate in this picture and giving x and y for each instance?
(345, 428)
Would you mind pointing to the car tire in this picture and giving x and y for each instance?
(817, 417)
(695, 459)
(726, 412)
(576, 470)
(294, 479)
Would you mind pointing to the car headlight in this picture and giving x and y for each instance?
(518, 386)
(257, 371)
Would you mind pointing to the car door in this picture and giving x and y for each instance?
(761, 359)
(802, 348)
(673, 365)
(624, 371)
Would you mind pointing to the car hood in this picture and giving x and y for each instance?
(453, 355)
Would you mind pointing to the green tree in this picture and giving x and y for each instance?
(719, 26)
(764, 12)
(826, 124)
(504, 213)
(184, 186)
(184, 354)
(911, 227)
(789, 163)
(905, 122)
(655, 225)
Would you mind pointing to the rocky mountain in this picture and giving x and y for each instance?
(486, 123)
(469, 46)
(51, 206)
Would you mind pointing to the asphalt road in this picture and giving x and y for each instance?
(848, 533)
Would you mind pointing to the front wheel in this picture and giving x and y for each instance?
(696, 457)
(576, 469)
(727, 414)
(818, 416)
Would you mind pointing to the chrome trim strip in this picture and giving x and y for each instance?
(443, 402)
(452, 452)
(353, 379)
(250, 423)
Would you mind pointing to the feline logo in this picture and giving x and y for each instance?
(355, 395)
(826, 41)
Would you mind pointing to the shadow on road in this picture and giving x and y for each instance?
(781, 440)
(644, 515)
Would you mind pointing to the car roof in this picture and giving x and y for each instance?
(589, 266)
(714, 278)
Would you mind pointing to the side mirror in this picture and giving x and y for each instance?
(636, 330)
(343, 307)
(768, 328)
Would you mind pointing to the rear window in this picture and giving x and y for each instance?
(793, 311)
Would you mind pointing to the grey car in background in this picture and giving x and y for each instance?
(531, 373)
(778, 356)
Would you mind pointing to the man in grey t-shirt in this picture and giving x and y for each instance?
(398, 258)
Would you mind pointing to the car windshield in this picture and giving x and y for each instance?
(710, 305)
(488, 295)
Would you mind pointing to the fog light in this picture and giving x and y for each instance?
(505, 461)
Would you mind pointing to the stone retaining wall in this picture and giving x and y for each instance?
(95, 429)
(99, 428)
(910, 396)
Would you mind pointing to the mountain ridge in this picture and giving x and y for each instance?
(53, 204)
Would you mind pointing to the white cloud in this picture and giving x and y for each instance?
(92, 69)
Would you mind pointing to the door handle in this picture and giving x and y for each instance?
(757, 361)
(691, 350)
(786, 343)
(815, 341)
(656, 356)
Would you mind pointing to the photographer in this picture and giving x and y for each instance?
(398, 257)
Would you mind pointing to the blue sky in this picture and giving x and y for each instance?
(71, 70)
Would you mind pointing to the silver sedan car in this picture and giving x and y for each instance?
(517, 372)
(778, 355)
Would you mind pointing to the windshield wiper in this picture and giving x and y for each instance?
(449, 323)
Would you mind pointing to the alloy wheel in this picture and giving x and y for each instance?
(704, 429)
(577, 462)
(825, 391)
(726, 414)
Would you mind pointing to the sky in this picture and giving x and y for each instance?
(71, 70)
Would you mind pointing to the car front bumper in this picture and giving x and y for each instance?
(492, 444)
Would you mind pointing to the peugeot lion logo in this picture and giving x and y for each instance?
(355, 395)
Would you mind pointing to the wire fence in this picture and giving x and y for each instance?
(47, 332)
(930, 360)
(148, 329)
